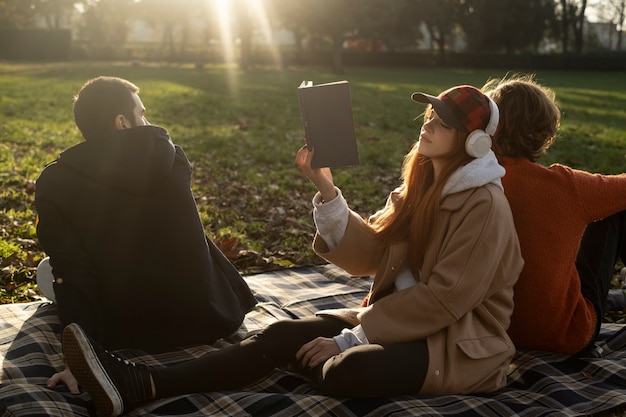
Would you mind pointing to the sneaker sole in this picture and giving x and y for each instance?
(89, 372)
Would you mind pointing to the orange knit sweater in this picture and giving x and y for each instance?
(551, 208)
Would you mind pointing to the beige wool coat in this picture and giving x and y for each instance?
(463, 300)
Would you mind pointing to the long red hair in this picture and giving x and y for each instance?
(415, 215)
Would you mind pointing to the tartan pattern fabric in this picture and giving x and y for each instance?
(469, 106)
(540, 383)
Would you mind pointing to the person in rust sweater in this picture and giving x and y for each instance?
(570, 225)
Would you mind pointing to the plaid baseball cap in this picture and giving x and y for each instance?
(463, 107)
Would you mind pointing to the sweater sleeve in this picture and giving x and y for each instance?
(331, 218)
(351, 337)
(600, 195)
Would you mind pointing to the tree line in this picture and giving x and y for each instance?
(495, 26)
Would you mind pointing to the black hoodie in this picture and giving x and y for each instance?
(130, 258)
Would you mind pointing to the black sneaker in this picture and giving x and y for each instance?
(114, 384)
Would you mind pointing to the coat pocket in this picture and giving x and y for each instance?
(483, 347)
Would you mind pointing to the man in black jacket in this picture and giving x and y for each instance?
(130, 259)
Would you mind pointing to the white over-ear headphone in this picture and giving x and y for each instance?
(478, 142)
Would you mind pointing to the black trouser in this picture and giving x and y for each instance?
(362, 371)
(602, 244)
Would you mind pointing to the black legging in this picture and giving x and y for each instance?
(602, 244)
(362, 371)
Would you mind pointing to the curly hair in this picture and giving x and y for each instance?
(529, 116)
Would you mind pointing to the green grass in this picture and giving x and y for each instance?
(241, 132)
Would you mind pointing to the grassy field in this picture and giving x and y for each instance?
(241, 132)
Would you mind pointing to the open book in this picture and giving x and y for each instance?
(328, 124)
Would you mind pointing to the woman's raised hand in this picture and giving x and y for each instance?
(322, 178)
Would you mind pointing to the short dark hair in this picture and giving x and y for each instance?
(99, 101)
(529, 116)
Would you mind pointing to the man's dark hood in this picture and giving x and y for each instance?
(137, 160)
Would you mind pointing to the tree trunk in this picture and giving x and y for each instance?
(167, 43)
(441, 44)
(245, 30)
(337, 56)
(299, 50)
(622, 11)
(579, 24)
(184, 37)
(245, 59)
(564, 26)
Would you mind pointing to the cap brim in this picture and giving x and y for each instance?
(443, 111)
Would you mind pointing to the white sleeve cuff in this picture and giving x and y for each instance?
(351, 337)
(331, 218)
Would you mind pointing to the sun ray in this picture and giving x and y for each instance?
(223, 12)
(266, 31)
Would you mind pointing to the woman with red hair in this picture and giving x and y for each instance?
(444, 254)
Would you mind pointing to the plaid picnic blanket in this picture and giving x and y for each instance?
(540, 384)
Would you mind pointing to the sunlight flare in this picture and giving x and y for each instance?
(223, 11)
(226, 32)
(265, 28)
